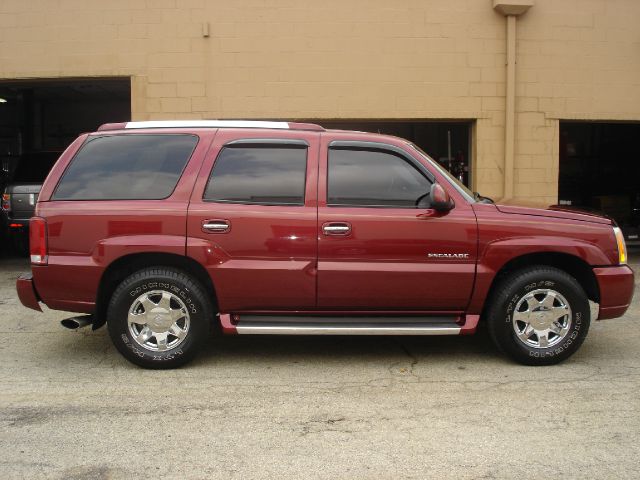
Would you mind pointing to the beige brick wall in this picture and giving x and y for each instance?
(404, 59)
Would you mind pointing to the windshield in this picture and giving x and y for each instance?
(457, 184)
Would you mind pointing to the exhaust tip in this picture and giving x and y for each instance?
(74, 323)
(70, 323)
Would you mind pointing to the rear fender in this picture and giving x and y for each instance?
(70, 282)
(110, 249)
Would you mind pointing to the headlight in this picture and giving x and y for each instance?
(622, 247)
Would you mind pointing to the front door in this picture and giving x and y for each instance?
(252, 219)
(380, 245)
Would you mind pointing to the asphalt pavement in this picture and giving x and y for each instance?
(313, 407)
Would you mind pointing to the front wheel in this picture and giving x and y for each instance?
(159, 318)
(539, 315)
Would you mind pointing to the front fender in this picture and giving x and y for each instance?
(496, 254)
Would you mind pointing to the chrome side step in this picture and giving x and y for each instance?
(263, 328)
(314, 324)
(365, 325)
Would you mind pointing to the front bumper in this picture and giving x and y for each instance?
(616, 290)
(27, 292)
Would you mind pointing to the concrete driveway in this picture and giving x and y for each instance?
(317, 407)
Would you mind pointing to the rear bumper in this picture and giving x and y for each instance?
(616, 290)
(27, 292)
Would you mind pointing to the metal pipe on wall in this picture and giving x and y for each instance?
(510, 109)
(510, 9)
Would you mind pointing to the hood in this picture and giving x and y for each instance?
(558, 211)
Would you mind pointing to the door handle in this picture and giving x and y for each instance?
(336, 228)
(216, 226)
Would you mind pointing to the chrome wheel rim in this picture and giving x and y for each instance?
(158, 320)
(542, 318)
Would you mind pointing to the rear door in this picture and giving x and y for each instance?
(252, 219)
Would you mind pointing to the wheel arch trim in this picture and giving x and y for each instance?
(489, 273)
(123, 266)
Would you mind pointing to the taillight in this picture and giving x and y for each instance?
(38, 240)
(6, 202)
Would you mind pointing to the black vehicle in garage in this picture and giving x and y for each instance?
(21, 194)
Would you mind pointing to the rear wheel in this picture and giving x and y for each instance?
(159, 317)
(539, 315)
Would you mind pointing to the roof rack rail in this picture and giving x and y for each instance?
(211, 124)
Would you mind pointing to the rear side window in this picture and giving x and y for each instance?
(126, 167)
(374, 178)
(258, 174)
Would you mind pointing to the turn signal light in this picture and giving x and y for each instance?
(622, 247)
(38, 241)
(6, 202)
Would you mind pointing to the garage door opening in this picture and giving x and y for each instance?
(39, 118)
(599, 170)
(449, 143)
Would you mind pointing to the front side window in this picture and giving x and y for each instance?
(374, 178)
(259, 174)
(126, 167)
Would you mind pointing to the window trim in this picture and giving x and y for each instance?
(290, 143)
(357, 145)
(90, 139)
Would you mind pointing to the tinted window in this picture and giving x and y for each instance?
(259, 174)
(374, 178)
(120, 167)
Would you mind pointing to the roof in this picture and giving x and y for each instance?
(211, 124)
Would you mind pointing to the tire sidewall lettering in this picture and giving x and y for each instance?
(539, 284)
(132, 347)
(183, 293)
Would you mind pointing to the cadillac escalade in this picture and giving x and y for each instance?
(165, 231)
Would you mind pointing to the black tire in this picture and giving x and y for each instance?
(178, 284)
(510, 294)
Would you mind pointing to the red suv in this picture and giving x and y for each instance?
(166, 230)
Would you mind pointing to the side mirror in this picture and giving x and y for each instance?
(440, 199)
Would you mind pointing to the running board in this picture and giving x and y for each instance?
(314, 325)
(262, 328)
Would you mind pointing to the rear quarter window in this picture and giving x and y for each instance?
(126, 167)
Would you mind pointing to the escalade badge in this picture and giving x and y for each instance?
(448, 255)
